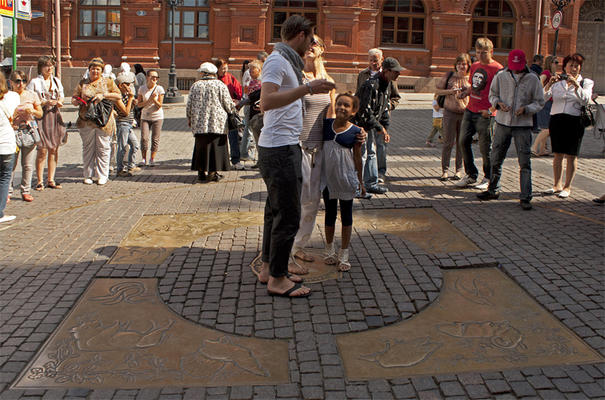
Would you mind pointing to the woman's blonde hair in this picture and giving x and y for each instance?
(320, 69)
(3, 86)
(256, 64)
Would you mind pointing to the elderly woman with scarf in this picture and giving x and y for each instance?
(208, 106)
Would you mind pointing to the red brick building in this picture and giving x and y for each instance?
(425, 35)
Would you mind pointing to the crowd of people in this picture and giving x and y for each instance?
(336, 149)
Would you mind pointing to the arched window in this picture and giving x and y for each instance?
(190, 20)
(495, 20)
(403, 22)
(283, 9)
(99, 18)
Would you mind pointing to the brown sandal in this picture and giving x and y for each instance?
(39, 187)
(301, 255)
(54, 185)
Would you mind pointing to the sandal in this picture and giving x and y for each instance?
(301, 255)
(296, 268)
(330, 257)
(54, 185)
(39, 187)
(343, 260)
(288, 292)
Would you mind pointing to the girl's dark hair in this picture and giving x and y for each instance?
(245, 66)
(18, 74)
(43, 61)
(353, 98)
(577, 57)
(138, 68)
(3, 86)
(466, 58)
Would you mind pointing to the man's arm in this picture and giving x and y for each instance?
(537, 97)
(494, 95)
(271, 97)
(395, 96)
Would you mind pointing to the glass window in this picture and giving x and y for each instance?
(403, 22)
(495, 20)
(99, 18)
(190, 20)
(283, 9)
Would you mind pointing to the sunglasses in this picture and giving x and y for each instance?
(20, 81)
(154, 77)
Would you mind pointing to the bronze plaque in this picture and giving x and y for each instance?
(155, 237)
(318, 270)
(121, 335)
(482, 321)
(424, 227)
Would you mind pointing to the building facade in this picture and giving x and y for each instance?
(424, 35)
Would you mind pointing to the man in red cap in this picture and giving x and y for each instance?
(517, 94)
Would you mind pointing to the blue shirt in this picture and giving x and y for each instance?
(346, 139)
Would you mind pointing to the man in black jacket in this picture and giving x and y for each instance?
(375, 59)
(373, 115)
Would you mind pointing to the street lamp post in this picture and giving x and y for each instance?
(560, 4)
(172, 94)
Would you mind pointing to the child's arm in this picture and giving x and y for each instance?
(436, 106)
(331, 111)
(358, 166)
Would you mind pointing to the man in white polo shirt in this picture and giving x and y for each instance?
(279, 154)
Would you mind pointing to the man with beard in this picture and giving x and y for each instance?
(477, 115)
(279, 152)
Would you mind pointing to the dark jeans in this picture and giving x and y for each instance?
(234, 146)
(281, 170)
(502, 139)
(475, 123)
(6, 170)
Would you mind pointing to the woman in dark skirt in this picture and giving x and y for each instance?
(569, 93)
(208, 107)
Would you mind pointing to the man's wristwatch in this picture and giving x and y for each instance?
(308, 85)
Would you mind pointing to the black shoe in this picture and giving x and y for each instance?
(377, 190)
(487, 195)
(526, 205)
(201, 176)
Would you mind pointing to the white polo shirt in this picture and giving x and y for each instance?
(281, 126)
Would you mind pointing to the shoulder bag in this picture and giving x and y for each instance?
(99, 113)
(586, 115)
(441, 98)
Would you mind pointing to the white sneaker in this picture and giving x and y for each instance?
(466, 181)
(239, 166)
(102, 181)
(88, 181)
(7, 218)
(483, 185)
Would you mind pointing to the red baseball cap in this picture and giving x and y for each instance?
(516, 60)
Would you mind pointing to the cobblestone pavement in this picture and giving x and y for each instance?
(64, 239)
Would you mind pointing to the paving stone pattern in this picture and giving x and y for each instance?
(63, 240)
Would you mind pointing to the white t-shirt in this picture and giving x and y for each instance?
(10, 102)
(437, 114)
(282, 126)
(151, 112)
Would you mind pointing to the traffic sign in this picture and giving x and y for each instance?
(24, 9)
(6, 8)
(556, 20)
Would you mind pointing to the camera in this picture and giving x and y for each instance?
(563, 77)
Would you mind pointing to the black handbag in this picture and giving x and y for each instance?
(99, 113)
(586, 115)
(441, 98)
(234, 121)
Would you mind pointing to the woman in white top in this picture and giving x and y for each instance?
(150, 100)
(51, 126)
(569, 93)
(8, 103)
(23, 121)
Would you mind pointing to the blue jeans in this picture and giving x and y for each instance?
(125, 135)
(502, 139)
(381, 154)
(370, 167)
(244, 146)
(234, 146)
(475, 123)
(6, 170)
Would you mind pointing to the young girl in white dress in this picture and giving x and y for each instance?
(342, 175)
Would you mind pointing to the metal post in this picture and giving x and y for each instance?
(560, 4)
(14, 36)
(58, 37)
(172, 94)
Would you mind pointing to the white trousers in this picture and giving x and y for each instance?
(312, 163)
(96, 149)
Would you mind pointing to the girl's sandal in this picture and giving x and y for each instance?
(344, 266)
(39, 187)
(54, 185)
(301, 255)
(343, 260)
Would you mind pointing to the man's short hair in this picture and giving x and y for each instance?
(538, 59)
(375, 51)
(484, 43)
(262, 56)
(294, 25)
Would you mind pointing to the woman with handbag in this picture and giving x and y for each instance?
(570, 93)
(452, 83)
(150, 99)
(26, 131)
(208, 107)
(95, 96)
(8, 146)
(51, 127)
